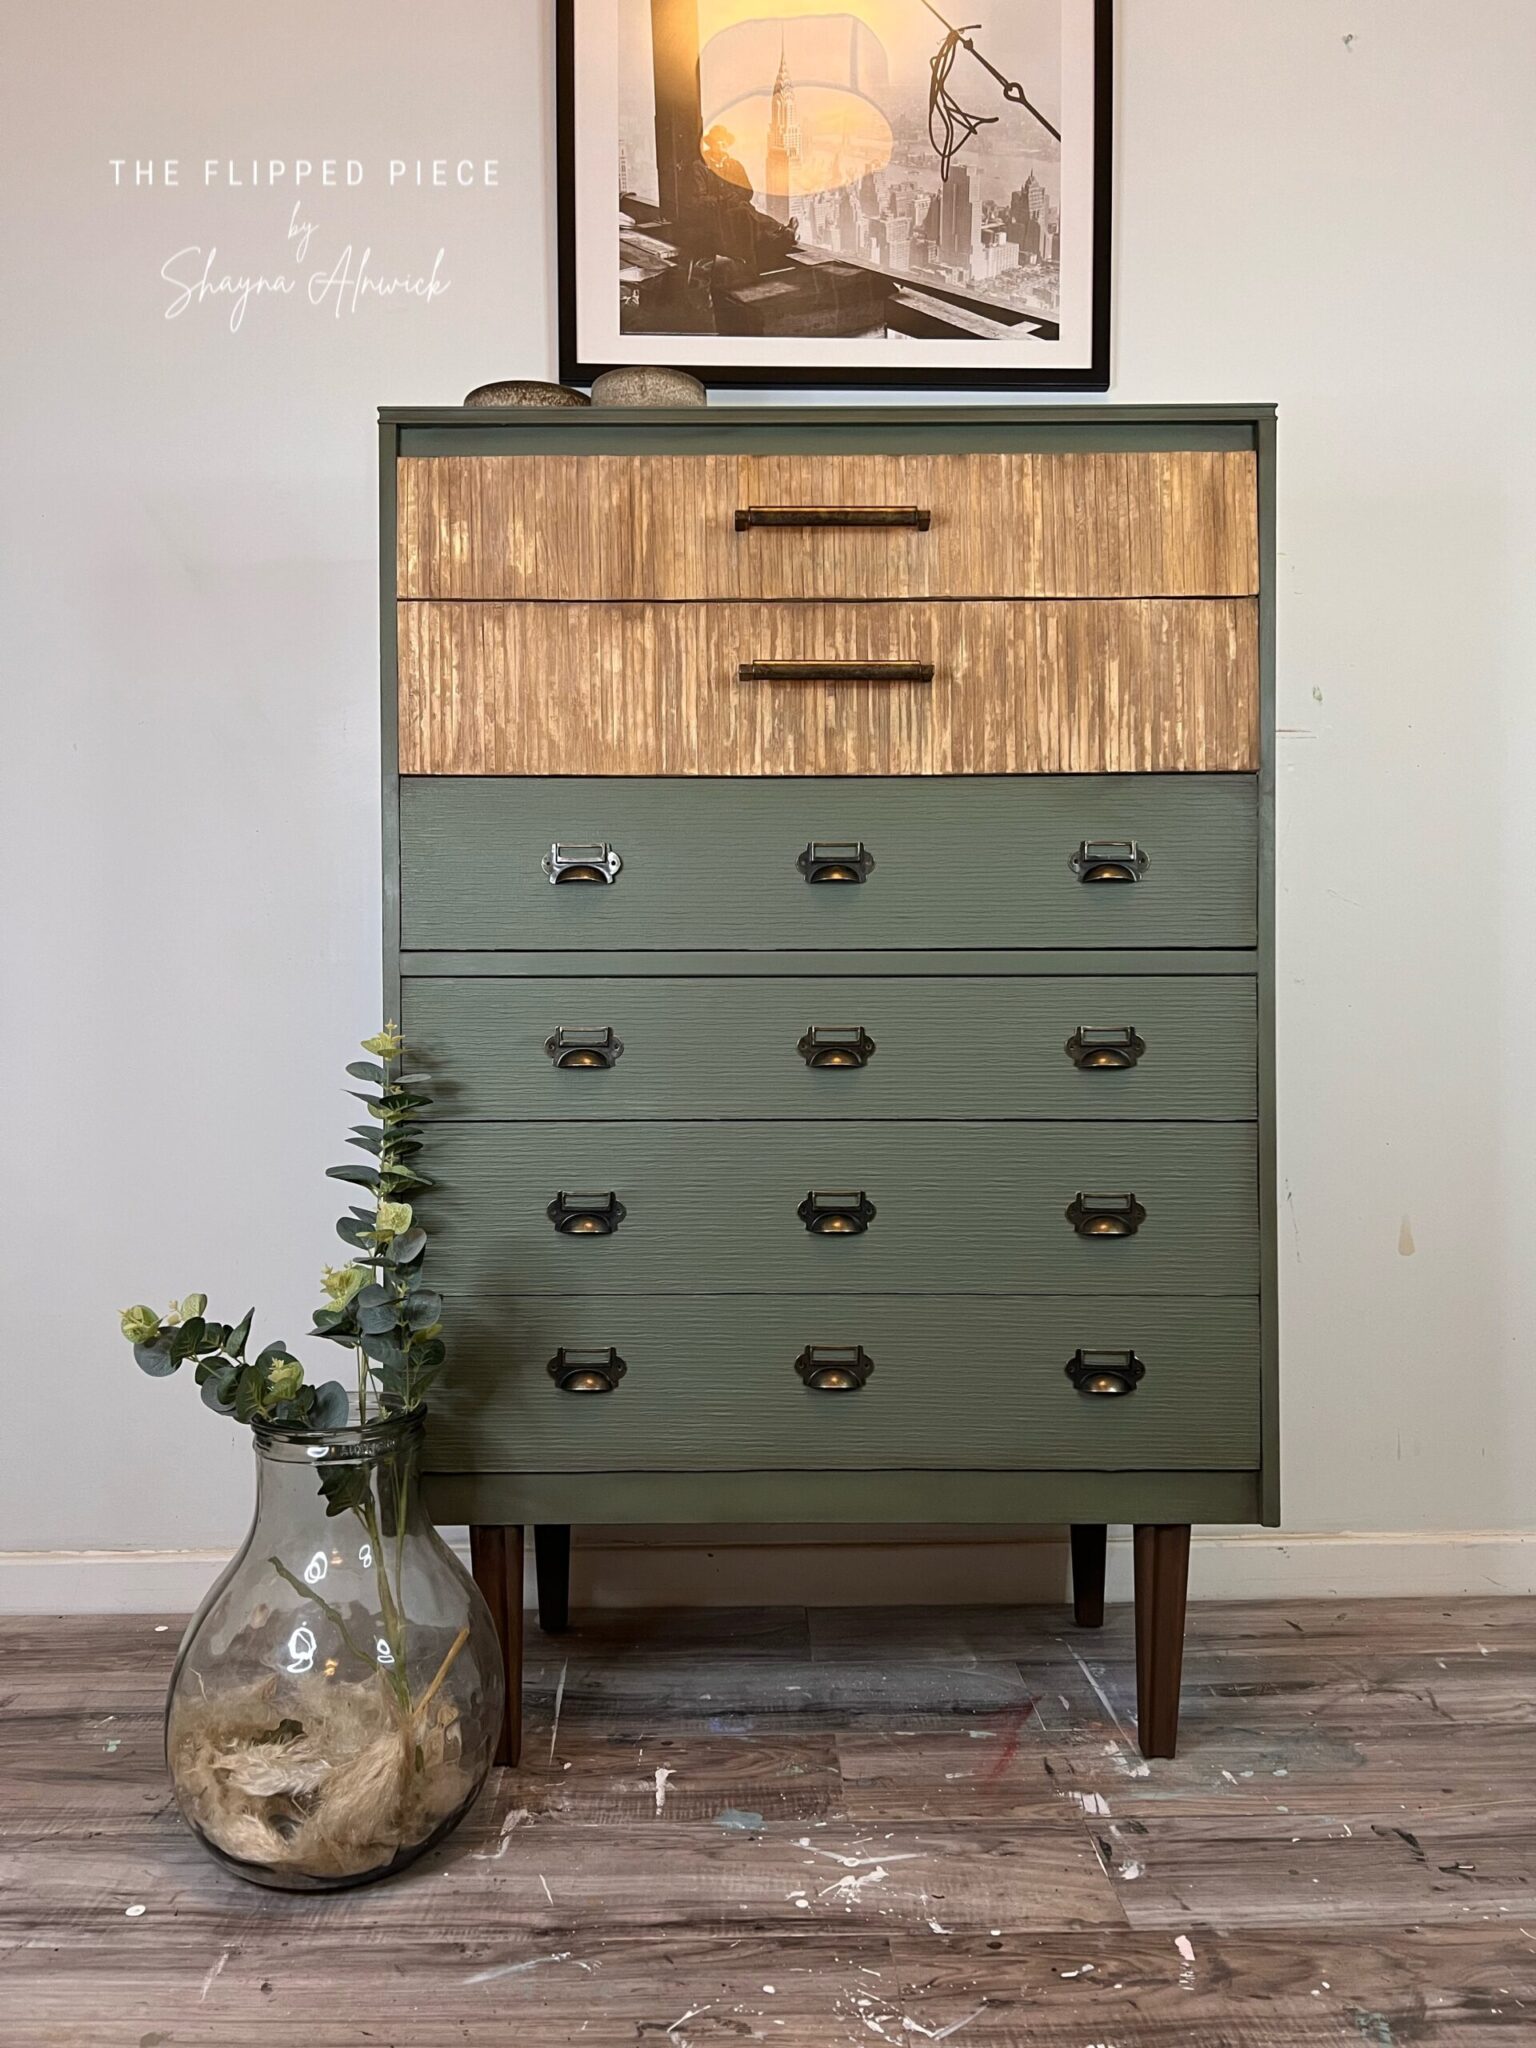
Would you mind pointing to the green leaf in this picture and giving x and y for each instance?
(330, 1407)
(360, 1176)
(402, 1250)
(423, 1308)
(156, 1359)
(366, 1139)
(378, 1317)
(270, 1353)
(371, 1295)
(248, 1393)
(351, 1230)
(187, 1338)
(235, 1342)
(428, 1354)
(330, 1320)
(365, 1070)
(344, 1488)
(385, 1350)
(219, 1392)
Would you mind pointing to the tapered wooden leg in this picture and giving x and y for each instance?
(552, 1565)
(1162, 1588)
(1089, 1546)
(496, 1559)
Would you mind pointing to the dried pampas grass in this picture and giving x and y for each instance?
(329, 1779)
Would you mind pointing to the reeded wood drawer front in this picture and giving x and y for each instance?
(979, 861)
(1167, 524)
(669, 689)
(595, 1048)
(711, 1384)
(957, 1207)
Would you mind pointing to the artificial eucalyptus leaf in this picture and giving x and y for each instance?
(330, 1407)
(365, 1070)
(354, 1230)
(186, 1338)
(235, 1343)
(384, 1349)
(156, 1359)
(423, 1308)
(371, 1295)
(406, 1248)
(218, 1392)
(344, 1488)
(269, 1355)
(248, 1392)
(427, 1356)
(366, 1140)
(360, 1176)
(378, 1317)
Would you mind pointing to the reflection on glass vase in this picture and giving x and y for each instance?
(334, 1707)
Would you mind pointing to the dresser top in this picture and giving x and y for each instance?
(960, 416)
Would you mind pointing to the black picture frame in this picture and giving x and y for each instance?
(1094, 376)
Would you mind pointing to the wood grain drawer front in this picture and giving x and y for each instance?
(656, 689)
(834, 1048)
(981, 861)
(711, 1384)
(958, 1207)
(1169, 524)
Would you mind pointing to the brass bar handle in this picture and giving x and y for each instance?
(1105, 1372)
(586, 1215)
(836, 1212)
(836, 1045)
(577, 1047)
(836, 860)
(1109, 860)
(830, 671)
(834, 1368)
(1105, 1215)
(586, 1372)
(916, 518)
(566, 861)
(1105, 1048)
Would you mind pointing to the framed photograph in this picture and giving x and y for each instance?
(887, 192)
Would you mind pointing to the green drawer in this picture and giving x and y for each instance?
(711, 1384)
(971, 861)
(958, 1208)
(971, 1046)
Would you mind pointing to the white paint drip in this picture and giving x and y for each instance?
(543, 1880)
(853, 1862)
(663, 1775)
(554, 1733)
(1131, 1871)
(1186, 1949)
(691, 2014)
(509, 1826)
(215, 1971)
(134, 1912)
(848, 1891)
(937, 1929)
(1092, 1802)
(516, 1969)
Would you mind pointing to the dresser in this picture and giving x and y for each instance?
(827, 871)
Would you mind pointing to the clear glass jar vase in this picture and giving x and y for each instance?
(335, 1704)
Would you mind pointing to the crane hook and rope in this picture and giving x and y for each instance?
(951, 126)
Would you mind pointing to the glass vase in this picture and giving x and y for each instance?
(335, 1704)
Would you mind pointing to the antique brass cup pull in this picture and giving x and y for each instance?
(586, 1215)
(1108, 860)
(576, 1047)
(836, 860)
(1105, 1372)
(1105, 1048)
(836, 1213)
(834, 1368)
(1105, 1215)
(568, 862)
(917, 518)
(836, 1045)
(586, 1372)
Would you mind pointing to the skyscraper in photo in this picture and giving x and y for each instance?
(783, 143)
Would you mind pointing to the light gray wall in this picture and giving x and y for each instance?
(1325, 204)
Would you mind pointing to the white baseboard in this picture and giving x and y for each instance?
(779, 1568)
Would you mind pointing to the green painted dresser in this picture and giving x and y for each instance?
(828, 874)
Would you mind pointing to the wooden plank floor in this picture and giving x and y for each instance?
(834, 1827)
